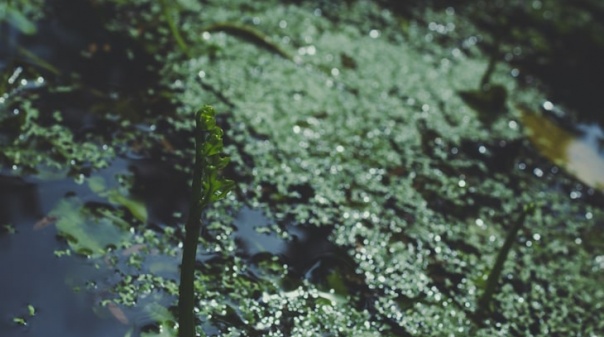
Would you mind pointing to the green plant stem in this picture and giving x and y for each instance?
(174, 30)
(495, 274)
(250, 34)
(186, 293)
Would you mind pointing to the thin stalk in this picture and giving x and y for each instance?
(186, 293)
(208, 186)
(495, 274)
(174, 30)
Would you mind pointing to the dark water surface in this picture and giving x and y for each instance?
(33, 275)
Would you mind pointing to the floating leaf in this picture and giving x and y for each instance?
(85, 233)
(17, 19)
(165, 319)
(137, 208)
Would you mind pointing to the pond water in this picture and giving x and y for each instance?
(381, 154)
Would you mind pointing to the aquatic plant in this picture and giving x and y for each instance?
(174, 29)
(208, 186)
(495, 273)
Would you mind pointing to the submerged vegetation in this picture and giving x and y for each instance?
(385, 156)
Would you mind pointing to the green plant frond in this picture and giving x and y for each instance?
(214, 187)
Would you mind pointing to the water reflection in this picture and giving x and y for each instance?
(579, 154)
(32, 275)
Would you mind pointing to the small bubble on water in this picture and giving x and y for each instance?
(283, 24)
(513, 125)
(536, 237)
(462, 183)
(589, 215)
(575, 194)
(335, 71)
(479, 222)
(578, 241)
(482, 149)
(521, 166)
(201, 74)
(374, 33)
(547, 105)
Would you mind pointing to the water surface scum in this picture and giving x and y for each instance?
(372, 198)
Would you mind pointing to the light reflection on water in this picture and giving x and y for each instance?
(580, 154)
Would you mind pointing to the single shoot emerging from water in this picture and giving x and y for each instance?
(208, 186)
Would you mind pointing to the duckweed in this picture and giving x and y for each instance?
(364, 134)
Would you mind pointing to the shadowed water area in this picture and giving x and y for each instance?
(382, 154)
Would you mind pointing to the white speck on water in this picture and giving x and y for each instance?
(538, 172)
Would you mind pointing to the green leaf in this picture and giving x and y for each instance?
(19, 21)
(85, 233)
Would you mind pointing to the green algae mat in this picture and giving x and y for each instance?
(382, 156)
